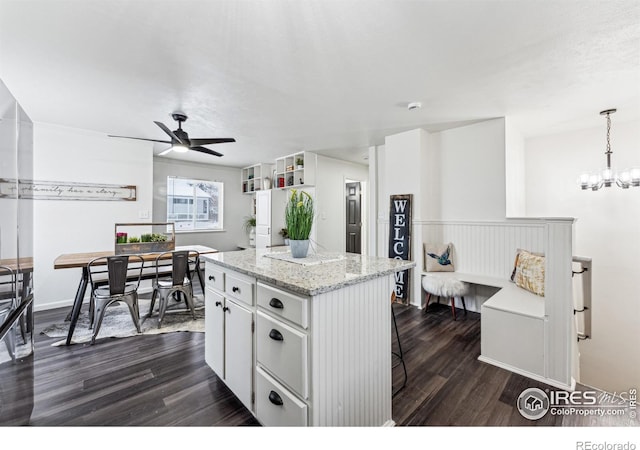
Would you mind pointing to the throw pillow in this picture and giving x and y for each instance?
(437, 258)
(529, 272)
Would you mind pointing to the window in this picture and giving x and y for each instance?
(194, 205)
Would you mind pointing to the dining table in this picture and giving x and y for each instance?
(81, 260)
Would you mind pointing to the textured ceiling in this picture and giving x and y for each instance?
(333, 76)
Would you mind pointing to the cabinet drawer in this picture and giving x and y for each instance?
(214, 277)
(284, 304)
(275, 405)
(282, 350)
(239, 287)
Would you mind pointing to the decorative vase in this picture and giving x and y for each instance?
(252, 237)
(299, 248)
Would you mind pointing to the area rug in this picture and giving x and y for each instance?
(117, 322)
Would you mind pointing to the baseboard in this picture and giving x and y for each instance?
(68, 303)
(524, 373)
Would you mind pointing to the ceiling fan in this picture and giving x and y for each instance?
(180, 141)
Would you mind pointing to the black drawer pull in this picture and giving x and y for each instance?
(276, 335)
(276, 303)
(235, 289)
(218, 304)
(225, 309)
(212, 278)
(275, 398)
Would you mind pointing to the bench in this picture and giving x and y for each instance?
(512, 324)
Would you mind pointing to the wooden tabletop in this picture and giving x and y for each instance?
(22, 264)
(74, 260)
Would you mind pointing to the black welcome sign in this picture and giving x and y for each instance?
(400, 240)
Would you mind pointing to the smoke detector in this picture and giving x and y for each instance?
(414, 105)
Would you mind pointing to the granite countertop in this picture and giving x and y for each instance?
(308, 276)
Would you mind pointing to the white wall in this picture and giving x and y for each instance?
(467, 167)
(236, 204)
(514, 171)
(70, 226)
(607, 230)
(403, 170)
(331, 176)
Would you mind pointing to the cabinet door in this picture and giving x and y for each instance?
(214, 331)
(239, 351)
(263, 219)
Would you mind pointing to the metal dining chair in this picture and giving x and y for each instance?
(121, 285)
(8, 304)
(177, 283)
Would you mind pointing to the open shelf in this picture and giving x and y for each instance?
(295, 170)
(253, 177)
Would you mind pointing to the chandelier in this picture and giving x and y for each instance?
(607, 176)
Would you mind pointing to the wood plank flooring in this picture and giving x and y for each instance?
(162, 380)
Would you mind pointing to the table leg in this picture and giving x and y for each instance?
(200, 275)
(77, 303)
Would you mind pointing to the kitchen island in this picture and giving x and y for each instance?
(303, 342)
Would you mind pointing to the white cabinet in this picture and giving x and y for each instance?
(253, 178)
(296, 170)
(270, 207)
(282, 357)
(229, 329)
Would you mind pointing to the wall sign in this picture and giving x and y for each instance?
(56, 190)
(400, 240)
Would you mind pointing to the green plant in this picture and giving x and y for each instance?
(156, 237)
(134, 240)
(298, 215)
(249, 222)
(145, 237)
(300, 162)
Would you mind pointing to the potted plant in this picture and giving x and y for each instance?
(299, 214)
(250, 227)
(300, 163)
(285, 234)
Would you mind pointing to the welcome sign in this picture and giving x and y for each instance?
(400, 240)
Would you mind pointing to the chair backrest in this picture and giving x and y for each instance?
(8, 287)
(180, 269)
(120, 269)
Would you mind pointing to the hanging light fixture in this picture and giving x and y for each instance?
(606, 177)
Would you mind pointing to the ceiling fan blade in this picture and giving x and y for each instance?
(165, 151)
(206, 150)
(139, 139)
(168, 131)
(211, 141)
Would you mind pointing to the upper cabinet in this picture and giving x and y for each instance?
(296, 170)
(256, 178)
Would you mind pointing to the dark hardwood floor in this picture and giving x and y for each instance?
(162, 380)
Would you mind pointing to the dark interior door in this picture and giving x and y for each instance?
(354, 221)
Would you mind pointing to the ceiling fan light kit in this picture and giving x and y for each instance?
(606, 177)
(180, 141)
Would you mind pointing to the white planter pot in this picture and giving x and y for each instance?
(299, 249)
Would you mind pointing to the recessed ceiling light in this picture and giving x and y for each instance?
(414, 105)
